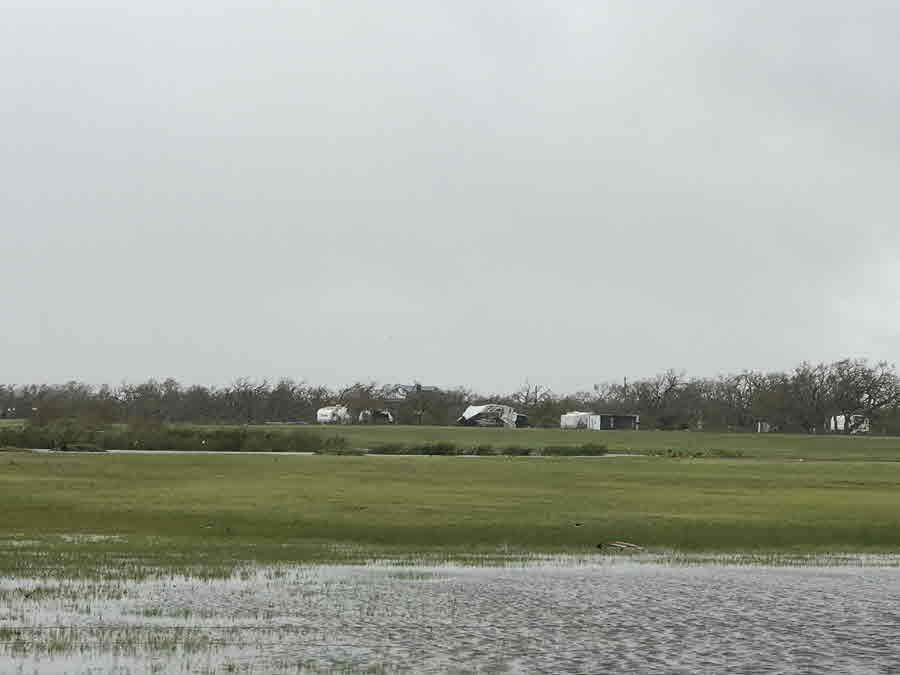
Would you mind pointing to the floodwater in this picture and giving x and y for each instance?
(602, 614)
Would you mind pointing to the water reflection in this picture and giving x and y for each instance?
(561, 615)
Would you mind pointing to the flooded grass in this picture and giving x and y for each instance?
(208, 564)
(625, 613)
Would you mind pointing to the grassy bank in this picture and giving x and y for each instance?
(217, 510)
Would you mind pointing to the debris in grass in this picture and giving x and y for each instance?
(621, 546)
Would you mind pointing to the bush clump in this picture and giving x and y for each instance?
(488, 450)
(437, 448)
(684, 453)
(592, 449)
(390, 449)
(517, 451)
(65, 435)
(427, 448)
(59, 434)
(81, 447)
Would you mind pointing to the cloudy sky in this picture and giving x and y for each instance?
(449, 191)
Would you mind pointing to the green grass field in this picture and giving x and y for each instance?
(765, 446)
(223, 509)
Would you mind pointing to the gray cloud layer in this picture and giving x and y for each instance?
(461, 194)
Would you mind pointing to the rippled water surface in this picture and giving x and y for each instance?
(576, 616)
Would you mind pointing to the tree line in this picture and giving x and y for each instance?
(800, 400)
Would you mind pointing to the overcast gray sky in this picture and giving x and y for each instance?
(458, 192)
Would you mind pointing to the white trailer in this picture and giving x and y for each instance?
(598, 421)
(575, 420)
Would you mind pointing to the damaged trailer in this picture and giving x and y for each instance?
(854, 424)
(333, 414)
(492, 415)
(370, 416)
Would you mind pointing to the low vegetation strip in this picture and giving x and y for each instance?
(78, 438)
(696, 453)
(69, 436)
(451, 449)
(447, 440)
(835, 447)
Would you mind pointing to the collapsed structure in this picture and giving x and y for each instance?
(599, 421)
(854, 424)
(370, 416)
(333, 414)
(492, 415)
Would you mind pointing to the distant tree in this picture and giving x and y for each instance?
(246, 399)
(811, 395)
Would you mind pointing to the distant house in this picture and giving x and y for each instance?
(599, 421)
(854, 424)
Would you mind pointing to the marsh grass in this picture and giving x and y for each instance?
(50, 640)
(209, 514)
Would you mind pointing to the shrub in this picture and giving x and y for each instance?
(719, 452)
(390, 449)
(82, 447)
(593, 449)
(516, 451)
(699, 454)
(586, 449)
(54, 435)
(437, 448)
(427, 448)
(351, 452)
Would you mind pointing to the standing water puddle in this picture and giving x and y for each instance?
(591, 615)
